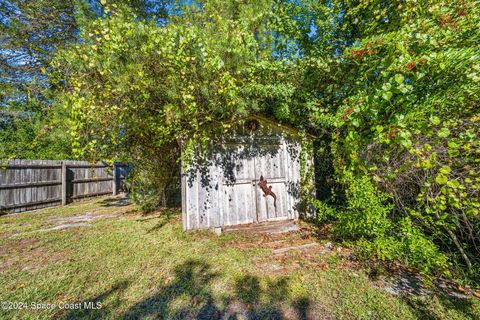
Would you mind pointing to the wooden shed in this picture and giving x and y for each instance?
(251, 174)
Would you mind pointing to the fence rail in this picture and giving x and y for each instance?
(34, 184)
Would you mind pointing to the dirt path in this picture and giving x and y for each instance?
(109, 208)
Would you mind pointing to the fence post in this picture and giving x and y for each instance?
(64, 183)
(114, 180)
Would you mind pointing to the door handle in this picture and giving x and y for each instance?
(254, 183)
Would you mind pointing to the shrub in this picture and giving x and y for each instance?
(367, 219)
(366, 214)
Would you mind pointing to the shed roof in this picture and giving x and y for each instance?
(274, 124)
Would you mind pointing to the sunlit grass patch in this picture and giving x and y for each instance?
(145, 266)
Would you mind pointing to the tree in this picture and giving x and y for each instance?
(31, 33)
(406, 117)
(139, 92)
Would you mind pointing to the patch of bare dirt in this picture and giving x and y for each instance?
(20, 245)
(85, 219)
(60, 223)
(6, 235)
(296, 250)
(27, 254)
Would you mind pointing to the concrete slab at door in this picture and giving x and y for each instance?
(238, 193)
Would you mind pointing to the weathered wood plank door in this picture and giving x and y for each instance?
(270, 170)
(244, 199)
(238, 192)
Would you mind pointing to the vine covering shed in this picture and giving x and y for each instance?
(252, 173)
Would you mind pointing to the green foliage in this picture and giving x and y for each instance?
(409, 245)
(139, 92)
(33, 133)
(406, 120)
(419, 250)
(391, 89)
(368, 217)
(323, 211)
(29, 126)
(366, 214)
(155, 186)
(32, 31)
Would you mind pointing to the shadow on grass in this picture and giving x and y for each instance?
(105, 310)
(423, 310)
(165, 217)
(423, 299)
(115, 202)
(190, 295)
(193, 283)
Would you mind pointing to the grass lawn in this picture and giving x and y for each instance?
(144, 266)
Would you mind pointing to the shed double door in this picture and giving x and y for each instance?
(244, 200)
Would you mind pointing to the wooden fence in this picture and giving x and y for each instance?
(33, 184)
